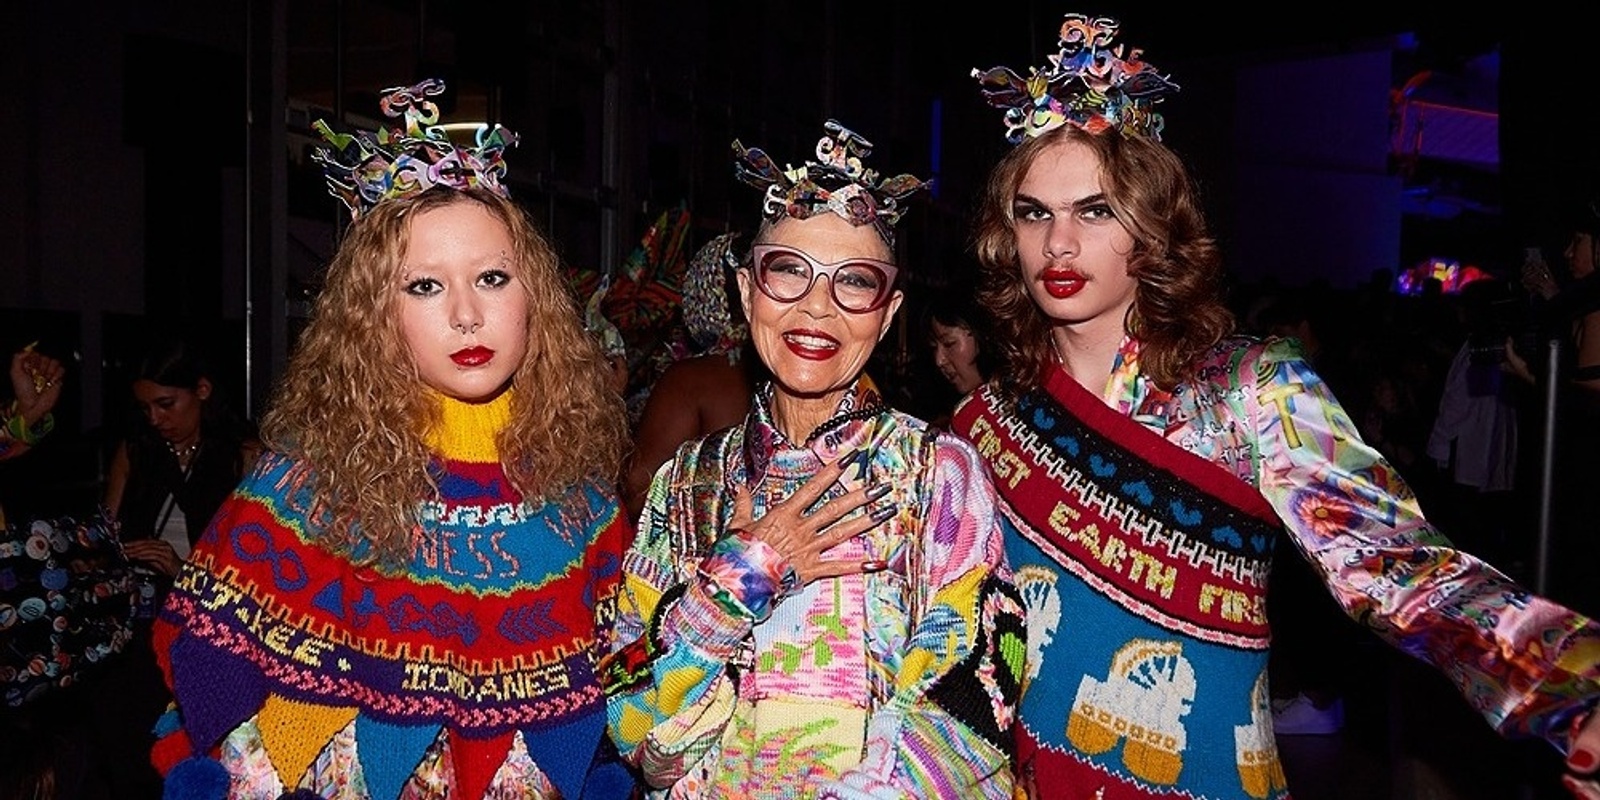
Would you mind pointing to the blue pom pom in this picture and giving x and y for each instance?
(196, 778)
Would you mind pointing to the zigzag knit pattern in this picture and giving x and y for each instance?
(494, 629)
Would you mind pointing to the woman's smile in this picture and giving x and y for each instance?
(811, 344)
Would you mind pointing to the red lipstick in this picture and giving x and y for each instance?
(472, 356)
(811, 345)
(1062, 283)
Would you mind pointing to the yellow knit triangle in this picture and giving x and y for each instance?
(294, 732)
(467, 431)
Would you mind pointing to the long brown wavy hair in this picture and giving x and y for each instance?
(1179, 310)
(352, 405)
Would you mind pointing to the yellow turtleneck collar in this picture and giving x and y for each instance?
(467, 431)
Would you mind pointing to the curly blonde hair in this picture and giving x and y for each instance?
(353, 408)
(1179, 310)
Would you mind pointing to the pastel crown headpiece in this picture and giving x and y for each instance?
(364, 169)
(836, 181)
(1090, 84)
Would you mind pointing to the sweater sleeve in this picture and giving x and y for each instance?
(945, 732)
(668, 687)
(1526, 663)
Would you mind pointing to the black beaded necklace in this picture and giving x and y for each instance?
(865, 412)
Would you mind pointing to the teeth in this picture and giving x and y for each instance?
(814, 342)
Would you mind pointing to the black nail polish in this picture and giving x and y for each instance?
(878, 491)
(884, 513)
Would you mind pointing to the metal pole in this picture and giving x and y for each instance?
(1547, 466)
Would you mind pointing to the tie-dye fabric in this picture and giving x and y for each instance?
(899, 683)
(1258, 411)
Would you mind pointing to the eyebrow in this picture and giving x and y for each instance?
(1082, 202)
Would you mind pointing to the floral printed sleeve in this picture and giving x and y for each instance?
(1526, 663)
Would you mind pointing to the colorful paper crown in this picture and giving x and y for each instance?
(365, 169)
(1089, 84)
(837, 182)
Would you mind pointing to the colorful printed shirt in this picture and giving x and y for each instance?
(470, 674)
(1259, 412)
(730, 682)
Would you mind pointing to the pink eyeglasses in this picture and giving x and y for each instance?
(857, 285)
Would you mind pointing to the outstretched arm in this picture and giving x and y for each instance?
(1528, 664)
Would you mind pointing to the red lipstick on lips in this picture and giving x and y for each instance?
(811, 345)
(472, 356)
(1060, 282)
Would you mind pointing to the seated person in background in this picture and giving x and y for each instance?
(187, 451)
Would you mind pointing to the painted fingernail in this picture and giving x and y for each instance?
(884, 513)
(874, 566)
(878, 491)
(1581, 760)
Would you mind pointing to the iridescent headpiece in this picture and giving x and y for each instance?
(836, 182)
(364, 169)
(1089, 84)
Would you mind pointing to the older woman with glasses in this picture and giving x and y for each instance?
(816, 603)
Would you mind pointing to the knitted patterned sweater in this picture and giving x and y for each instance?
(1141, 525)
(900, 683)
(470, 674)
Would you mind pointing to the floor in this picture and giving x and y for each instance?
(1408, 735)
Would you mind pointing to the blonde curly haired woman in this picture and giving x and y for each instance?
(408, 595)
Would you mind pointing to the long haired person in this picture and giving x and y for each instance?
(1149, 459)
(408, 594)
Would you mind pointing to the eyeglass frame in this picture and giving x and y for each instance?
(758, 253)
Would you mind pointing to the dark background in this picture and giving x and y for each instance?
(160, 182)
(158, 178)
